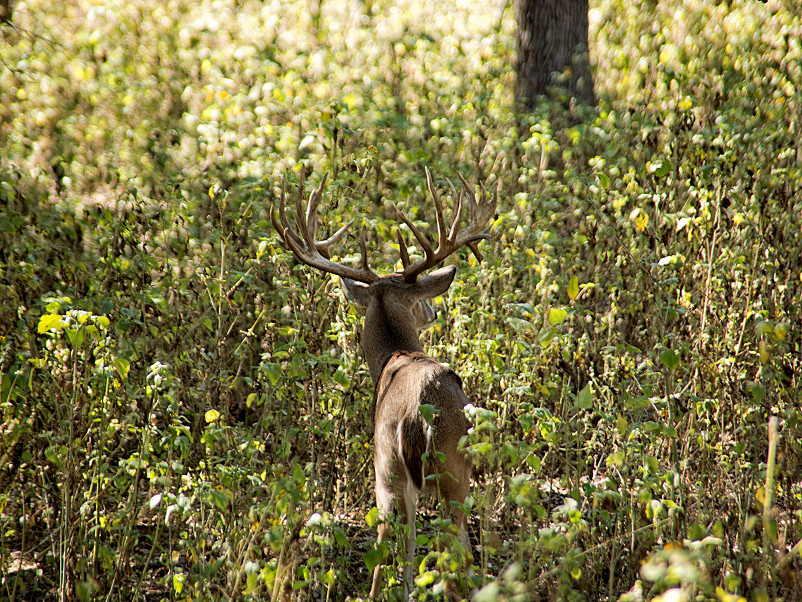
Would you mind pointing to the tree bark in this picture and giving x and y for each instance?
(552, 45)
(5, 11)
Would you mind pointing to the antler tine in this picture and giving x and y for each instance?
(278, 222)
(442, 235)
(311, 221)
(309, 224)
(474, 247)
(471, 196)
(311, 208)
(481, 212)
(490, 208)
(402, 246)
(422, 240)
(450, 239)
(283, 227)
(323, 245)
(452, 234)
(302, 242)
(363, 250)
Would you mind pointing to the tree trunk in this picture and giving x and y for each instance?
(552, 45)
(5, 11)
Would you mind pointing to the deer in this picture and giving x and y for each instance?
(412, 456)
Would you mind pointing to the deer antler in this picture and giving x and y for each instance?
(310, 251)
(449, 239)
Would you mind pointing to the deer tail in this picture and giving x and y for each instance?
(414, 436)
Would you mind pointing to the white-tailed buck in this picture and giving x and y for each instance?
(411, 456)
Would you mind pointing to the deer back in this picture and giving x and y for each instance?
(410, 379)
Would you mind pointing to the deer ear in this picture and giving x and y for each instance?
(358, 291)
(434, 283)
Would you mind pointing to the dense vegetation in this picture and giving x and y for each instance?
(184, 410)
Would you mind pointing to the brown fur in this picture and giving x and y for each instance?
(405, 378)
(415, 378)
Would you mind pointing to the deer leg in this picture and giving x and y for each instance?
(462, 534)
(452, 490)
(409, 503)
(385, 502)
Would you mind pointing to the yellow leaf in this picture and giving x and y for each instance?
(50, 322)
(766, 352)
(573, 288)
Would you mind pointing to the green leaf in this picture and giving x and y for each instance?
(340, 378)
(374, 556)
(58, 303)
(616, 458)
(533, 462)
(519, 324)
(764, 328)
(669, 359)
(604, 180)
(219, 499)
(622, 424)
(77, 336)
(573, 288)
(84, 590)
(52, 455)
(557, 316)
(251, 581)
(122, 366)
(372, 517)
(427, 411)
(273, 372)
(584, 399)
(425, 579)
(544, 336)
(757, 391)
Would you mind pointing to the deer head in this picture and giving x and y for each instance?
(403, 376)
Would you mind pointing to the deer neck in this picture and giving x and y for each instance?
(381, 338)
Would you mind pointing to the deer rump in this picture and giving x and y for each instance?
(402, 435)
